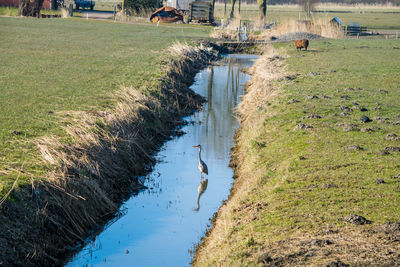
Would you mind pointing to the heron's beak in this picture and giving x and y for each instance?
(195, 146)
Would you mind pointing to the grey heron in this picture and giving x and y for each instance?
(202, 165)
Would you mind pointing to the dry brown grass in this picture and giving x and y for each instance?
(64, 13)
(320, 26)
(142, 15)
(228, 30)
(92, 171)
(335, 6)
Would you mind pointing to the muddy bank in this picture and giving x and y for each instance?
(91, 175)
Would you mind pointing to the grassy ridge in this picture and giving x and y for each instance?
(52, 66)
(295, 186)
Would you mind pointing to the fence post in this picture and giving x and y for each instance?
(71, 10)
(115, 13)
(240, 25)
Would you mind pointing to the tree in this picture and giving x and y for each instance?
(232, 9)
(212, 7)
(262, 7)
(138, 5)
(30, 8)
(308, 5)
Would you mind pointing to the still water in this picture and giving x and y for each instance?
(163, 223)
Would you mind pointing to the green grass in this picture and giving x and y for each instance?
(8, 11)
(308, 178)
(13, 11)
(54, 65)
(331, 182)
(106, 5)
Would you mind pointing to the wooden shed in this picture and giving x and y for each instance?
(201, 11)
(180, 5)
(354, 28)
(337, 22)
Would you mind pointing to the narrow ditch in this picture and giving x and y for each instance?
(162, 223)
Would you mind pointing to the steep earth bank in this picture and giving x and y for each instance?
(92, 172)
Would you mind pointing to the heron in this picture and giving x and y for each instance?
(202, 165)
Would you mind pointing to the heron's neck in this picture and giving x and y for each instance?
(199, 153)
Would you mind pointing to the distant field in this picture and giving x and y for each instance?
(50, 66)
(384, 18)
(106, 5)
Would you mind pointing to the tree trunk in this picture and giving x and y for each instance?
(233, 9)
(30, 8)
(212, 6)
(225, 9)
(262, 7)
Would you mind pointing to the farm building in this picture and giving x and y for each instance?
(47, 4)
(179, 4)
(336, 21)
(201, 11)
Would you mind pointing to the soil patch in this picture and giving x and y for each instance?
(292, 36)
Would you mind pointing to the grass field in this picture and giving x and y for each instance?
(291, 183)
(8, 11)
(296, 185)
(372, 17)
(50, 66)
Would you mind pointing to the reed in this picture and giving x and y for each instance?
(320, 26)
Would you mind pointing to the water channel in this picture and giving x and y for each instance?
(163, 223)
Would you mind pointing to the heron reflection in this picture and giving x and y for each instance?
(200, 190)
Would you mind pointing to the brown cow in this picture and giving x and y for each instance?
(299, 44)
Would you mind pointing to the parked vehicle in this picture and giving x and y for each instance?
(84, 4)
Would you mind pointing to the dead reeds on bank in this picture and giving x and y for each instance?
(319, 26)
(94, 169)
(256, 32)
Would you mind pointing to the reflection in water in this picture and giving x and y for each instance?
(224, 87)
(200, 190)
(160, 226)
